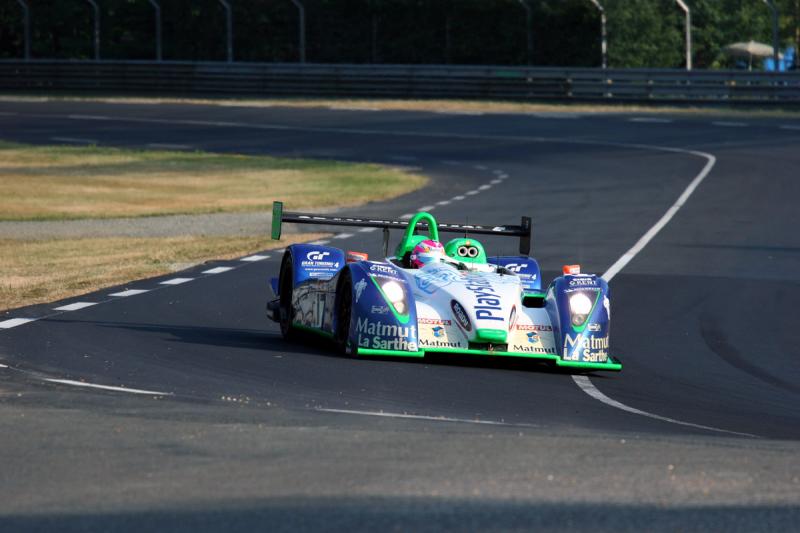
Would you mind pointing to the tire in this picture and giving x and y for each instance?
(344, 312)
(285, 309)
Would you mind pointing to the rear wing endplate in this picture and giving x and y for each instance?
(279, 216)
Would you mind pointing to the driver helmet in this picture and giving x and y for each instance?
(425, 252)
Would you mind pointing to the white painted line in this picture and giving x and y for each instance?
(75, 306)
(217, 270)
(403, 158)
(498, 172)
(368, 230)
(480, 167)
(176, 281)
(790, 127)
(587, 387)
(471, 193)
(254, 258)
(650, 120)
(458, 198)
(427, 208)
(319, 242)
(73, 140)
(484, 187)
(88, 117)
(664, 220)
(496, 182)
(420, 417)
(129, 292)
(502, 176)
(443, 202)
(343, 236)
(730, 124)
(14, 322)
(3, 366)
(169, 146)
(406, 216)
(107, 387)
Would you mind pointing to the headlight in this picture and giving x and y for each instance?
(579, 306)
(396, 296)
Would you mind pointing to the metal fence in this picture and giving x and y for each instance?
(399, 81)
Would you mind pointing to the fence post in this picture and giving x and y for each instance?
(776, 39)
(96, 9)
(688, 12)
(26, 24)
(301, 31)
(228, 30)
(603, 34)
(528, 29)
(157, 9)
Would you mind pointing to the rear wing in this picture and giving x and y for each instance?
(279, 216)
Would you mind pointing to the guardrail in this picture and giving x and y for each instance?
(401, 81)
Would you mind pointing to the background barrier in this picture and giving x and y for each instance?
(400, 81)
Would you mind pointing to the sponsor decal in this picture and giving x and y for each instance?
(435, 321)
(533, 337)
(585, 348)
(315, 260)
(533, 327)
(460, 315)
(433, 278)
(438, 331)
(382, 269)
(594, 327)
(380, 336)
(379, 309)
(532, 349)
(587, 281)
(516, 267)
(425, 343)
(512, 320)
(360, 286)
(488, 301)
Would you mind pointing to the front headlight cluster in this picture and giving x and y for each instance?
(394, 294)
(580, 305)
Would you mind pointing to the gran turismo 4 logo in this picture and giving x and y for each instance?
(316, 255)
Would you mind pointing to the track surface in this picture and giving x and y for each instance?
(705, 320)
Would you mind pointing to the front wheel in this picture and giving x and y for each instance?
(344, 313)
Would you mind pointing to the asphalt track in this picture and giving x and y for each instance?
(236, 429)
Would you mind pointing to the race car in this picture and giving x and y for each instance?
(429, 297)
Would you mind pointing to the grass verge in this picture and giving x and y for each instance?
(70, 182)
(450, 105)
(43, 271)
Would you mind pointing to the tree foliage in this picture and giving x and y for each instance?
(641, 33)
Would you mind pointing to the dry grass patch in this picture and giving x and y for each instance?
(44, 271)
(68, 182)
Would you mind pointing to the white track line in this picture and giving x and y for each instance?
(443, 202)
(14, 322)
(458, 198)
(472, 192)
(107, 387)
(496, 182)
(790, 127)
(217, 270)
(484, 187)
(420, 417)
(368, 230)
(584, 382)
(587, 387)
(74, 140)
(317, 243)
(343, 236)
(75, 306)
(129, 292)
(176, 281)
(3, 366)
(406, 216)
(480, 167)
(427, 208)
(664, 220)
(254, 258)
